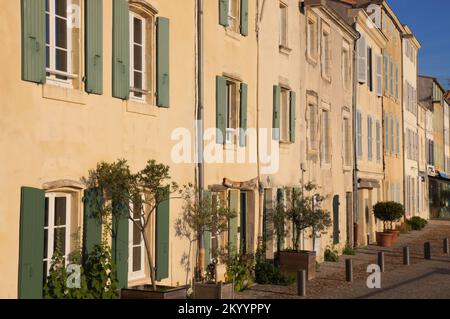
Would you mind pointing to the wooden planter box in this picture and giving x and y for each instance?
(147, 292)
(292, 261)
(213, 291)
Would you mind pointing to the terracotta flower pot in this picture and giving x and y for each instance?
(395, 234)
(384, 239)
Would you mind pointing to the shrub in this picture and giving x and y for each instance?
(266, 273)
(349, 251)
(240, 268)
(388, 212)
(416, 223)
(331, 255)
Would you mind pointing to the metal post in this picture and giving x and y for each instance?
(381, 260)
(406, 256)
(446, 248)
(301, 283)
(349, 270)
(368, 239)
(427, 251)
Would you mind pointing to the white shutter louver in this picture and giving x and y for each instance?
(362, 58)
(379, 75)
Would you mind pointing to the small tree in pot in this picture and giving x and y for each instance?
(200, 216)
(388, 213)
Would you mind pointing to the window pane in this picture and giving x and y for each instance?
(138, 82)
(60, 211)
(46, 212)
(138, 57)
(137, 30)
(60, 240)
(61, 33)
(45, 243)
(137, 258)
(61, 8)
(137, 238)
(61, 62)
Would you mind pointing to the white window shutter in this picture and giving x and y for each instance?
(379, 75)
(362, 64)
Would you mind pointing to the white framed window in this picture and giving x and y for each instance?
(325, 137)
(232, 116)
(326, 51)
(58, 43)
(283, 28)
(136, 246)
(285, 116)
(56, 228)
(369, 138)
(359, 144)
(347, 142)
(346, 65)
(138, 57)
(312, 34)
(313, 123)
(378, 140)
(234, 15)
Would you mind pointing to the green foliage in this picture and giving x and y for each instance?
(416, 223)
(331, 255)
(97, 277)
(266, 273)
(388, 212)
(349, 251)
(240, 269)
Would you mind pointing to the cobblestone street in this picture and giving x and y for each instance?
(422, 279)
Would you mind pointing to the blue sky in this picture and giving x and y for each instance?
(430, 22)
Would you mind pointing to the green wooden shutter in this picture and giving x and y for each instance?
(31, 243)
(280, 231)
(33, 41)
(163, 63)
(94, 46)
(276, 112)
(92, 223)
(207, 235)
(243, 115)
(223, 12)
(233, 222)
(121, 50)
(162, 237)
(221, 109)
(244, 17)
(292, 116)
(120, 242)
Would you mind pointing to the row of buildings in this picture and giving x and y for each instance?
(267, 95)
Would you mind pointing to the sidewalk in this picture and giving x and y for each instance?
(422, 279)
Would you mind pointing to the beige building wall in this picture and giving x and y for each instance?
(50, 133)
(423, 176)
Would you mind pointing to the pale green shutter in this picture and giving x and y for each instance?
(207, 235)
(94, 46)
(121, 50)
(233, 222)
(276, 112)
(223, 12)
(162, 237)
(221, 109)
(33, 41)
(120, 242)
(163, 63)
(243, 115)
(92, 223)
(244, 17)
(31, 243)
(292, 116)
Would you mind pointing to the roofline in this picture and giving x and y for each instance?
(410, 35)
(435, 80)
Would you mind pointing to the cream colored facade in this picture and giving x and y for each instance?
(410, 116)
(369, 119)
(423, 205)
(54, 133)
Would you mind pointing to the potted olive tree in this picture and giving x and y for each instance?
(303, 212)
(388, 213)
(202, 217)
(135, 197)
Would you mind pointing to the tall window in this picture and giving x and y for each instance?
(233, 14)
(232, 119)
(58, 41)
(136, 245)
(378, 138)
(386, 74)
(386, 133)
(138, 56)
(397, 137)
(392, 135)
(396, 80)
(313, 125)
(369, 138)
(391, 78)
(285, 116)
(325, 145)
(283, 25)
(346, 68)
(347, 147)
(359, 135)
(326, 51)
(56, 227)
(312, 32)
(369, 69)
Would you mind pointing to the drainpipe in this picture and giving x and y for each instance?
(355, 154)
(200, 125)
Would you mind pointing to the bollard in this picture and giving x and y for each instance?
(381, 260)
(427, 251)
(406, 256)
(301, 283)
(368, 240)
(349, 270)
(446, 248)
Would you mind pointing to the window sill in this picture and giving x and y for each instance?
(64, 94)
(311, 60)
(347, 168)
(141, 108)
(325, 166)
(233, 34)
(284, 49)
(327, 78)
